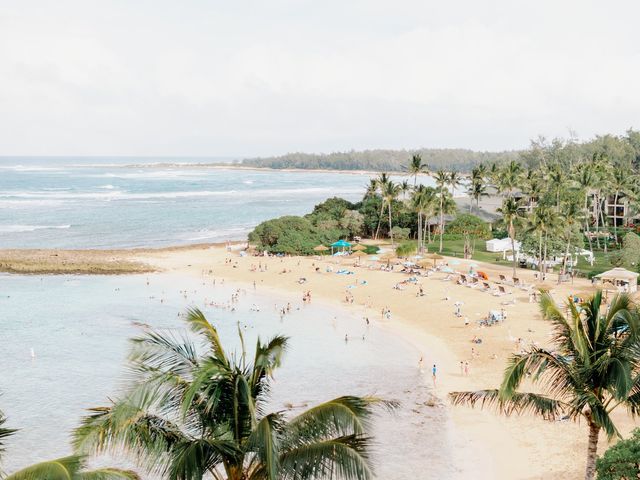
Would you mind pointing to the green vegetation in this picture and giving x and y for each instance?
(188, 414)
(382, 160)
(622, 461)
(593, 368)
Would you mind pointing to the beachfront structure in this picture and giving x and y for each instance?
(620, 279)
(615, 211)
(501, 245)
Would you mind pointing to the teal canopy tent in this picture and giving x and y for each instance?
(343, 244)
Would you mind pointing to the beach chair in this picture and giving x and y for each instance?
(486, 287)
(473, 283)
(503, 279)
(462, 280)
(502, 290)
(516, 281)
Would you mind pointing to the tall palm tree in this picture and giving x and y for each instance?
(416, 167)
(380, 184)
(445, 205)
(512, 215)
(477, 188)
(189, 415)
(509, 178)
(454, 181)
(570, 216)
(593, 368)
(620, 184)
(390, 192)
(586, 179)
(442, 180)
(422, 203)
(67, 468)
(404, 188)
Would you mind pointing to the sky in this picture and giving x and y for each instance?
(248, 78)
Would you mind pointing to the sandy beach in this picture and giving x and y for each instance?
(489, 445)
(505, 448)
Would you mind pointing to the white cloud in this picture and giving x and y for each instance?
(250, 78)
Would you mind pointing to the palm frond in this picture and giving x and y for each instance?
(343, 457)
(108, 474)
(265, 442)
(199, 324)
(518, 403)
(192, 458)
(59, 469)
(340, 416)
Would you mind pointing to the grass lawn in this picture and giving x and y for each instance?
(455, 248)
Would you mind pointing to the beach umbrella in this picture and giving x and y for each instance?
(359, 254)
(320, 248)
(435, 257)
(424, 263)
(359, 247)
(473, 265)
(388, 257)
(455, 262)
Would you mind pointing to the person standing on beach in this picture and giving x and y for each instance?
(434, 372)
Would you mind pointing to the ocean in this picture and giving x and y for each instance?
(132, 202)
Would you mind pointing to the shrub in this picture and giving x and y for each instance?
(401, 233)
(405, 249)
(622, 461)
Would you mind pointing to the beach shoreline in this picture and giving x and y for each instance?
(485, 442)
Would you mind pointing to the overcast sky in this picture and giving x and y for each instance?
(244, 78)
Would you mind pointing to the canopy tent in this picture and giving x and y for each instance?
(343, 244)
(501, 245)
(620, 278)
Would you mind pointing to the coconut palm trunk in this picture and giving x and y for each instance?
(379, 221)
(586, 221)
(390, 228)
(441, 219)
(512, 234)
(592, 451)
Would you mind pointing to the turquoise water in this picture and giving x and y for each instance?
(78, 327)
(104, 203)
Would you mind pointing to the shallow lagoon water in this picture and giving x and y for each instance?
(78, 327)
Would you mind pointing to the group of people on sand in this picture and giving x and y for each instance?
(306, 297)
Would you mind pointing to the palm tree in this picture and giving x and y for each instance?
(512, 214)
(390, 192)
(380, 185)
(593, 368)
(416, 167)
(67, 468)
(188, 415)
(442, 180)
(570, 216)
(477, 188)
(445, 206)
(508, 178)
(620, 184)
(422, 203)
(404, 188)
(454, 181)
(586, 180)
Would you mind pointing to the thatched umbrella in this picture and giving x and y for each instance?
(359, 247)
(320, 248)
(435, 257)
(359, 254)
(388, 258)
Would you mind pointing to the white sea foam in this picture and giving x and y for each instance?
(232, 233)
(30, 228)
(123, 195)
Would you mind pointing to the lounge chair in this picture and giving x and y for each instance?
(503, 279)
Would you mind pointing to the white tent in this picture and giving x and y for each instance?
(501, 245)
(620, 278)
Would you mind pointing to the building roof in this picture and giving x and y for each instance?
(618, 274)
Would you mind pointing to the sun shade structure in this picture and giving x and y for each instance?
(320, 248)
(620, 279)
(358, 253)
(343, 244)
(359, 247)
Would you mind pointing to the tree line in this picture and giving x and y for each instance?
(620, 148)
